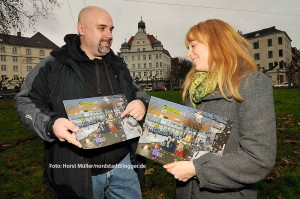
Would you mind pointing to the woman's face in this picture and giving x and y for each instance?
(198, 53)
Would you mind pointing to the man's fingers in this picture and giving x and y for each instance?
(71, 139)
(169, 166)
(125, 112)
(72, 127)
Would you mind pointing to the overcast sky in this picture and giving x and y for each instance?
(169, 20)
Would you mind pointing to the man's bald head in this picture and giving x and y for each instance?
(95, 28)
(88, 12)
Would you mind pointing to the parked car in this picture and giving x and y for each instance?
(160, 88)
(149, 88)
(176, 88)
(284, 84)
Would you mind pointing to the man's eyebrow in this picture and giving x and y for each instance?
(105, 26)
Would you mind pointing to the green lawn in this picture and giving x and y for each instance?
(21, 155)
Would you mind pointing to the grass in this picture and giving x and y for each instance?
(21, 155)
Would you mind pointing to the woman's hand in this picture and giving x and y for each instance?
(181, 170)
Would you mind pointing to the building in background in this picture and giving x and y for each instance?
(148, 62)
(272, 52)
(18, 55)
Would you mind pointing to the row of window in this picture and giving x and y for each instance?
(157, 65)
(15, 77)
(145, 74)
(15, 68)
(270, 43)
(270, 54)
(281, 66)
(133, 58)
(3, 58)
(15, 50)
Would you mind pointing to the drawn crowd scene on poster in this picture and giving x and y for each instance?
(173, 132)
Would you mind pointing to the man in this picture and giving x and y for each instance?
(84, 67)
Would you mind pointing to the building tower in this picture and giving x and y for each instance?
(147, 60)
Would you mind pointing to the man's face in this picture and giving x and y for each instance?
(96, 34)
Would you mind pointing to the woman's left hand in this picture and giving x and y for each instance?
(181, 170)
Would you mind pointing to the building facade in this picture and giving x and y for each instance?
(271, 49)
(148, 62)
(18, 55)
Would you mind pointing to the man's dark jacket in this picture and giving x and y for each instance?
(40, 102)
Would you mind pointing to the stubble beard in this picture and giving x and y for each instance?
(103, 50)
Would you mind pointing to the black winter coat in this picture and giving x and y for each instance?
(39, 103)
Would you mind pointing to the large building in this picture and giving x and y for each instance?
(147, 60)
(271, 45)
(18, 55)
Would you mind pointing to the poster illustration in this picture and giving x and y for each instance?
(173, 132)
(100, 122)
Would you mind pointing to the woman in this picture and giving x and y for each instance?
(224, 81)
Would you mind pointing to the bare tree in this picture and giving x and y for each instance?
(14, 14)
(179, 70)
(264, 70)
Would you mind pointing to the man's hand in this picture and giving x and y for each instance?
(61, 129)
(136, 109)
(181, 170)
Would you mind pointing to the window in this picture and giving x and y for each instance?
(16, 77)
(133, 65)
(139, 73)
(270, 65)
(28, 51)
(280, 53)
(139, 57)
(145, 74)
(15, 59)
(280, 40)
(3, 58)
(139, 65)
(150, 65)
(144, 49)
(133, 58)
(2, 49)
(29, 68)
(150, 57)
(14, 50)
(269, 42)
(160, 64)
(161, 73)
(133, 74)
(28, 59)
(281, 65)
(156, 56)
(156, 64)
(256, 45)
(256, 56)
(3, 67)
(42, 52)
(138, 50)
(159, 56)
(270, 54)
(145, 65)
(144, 57)
(15, 68)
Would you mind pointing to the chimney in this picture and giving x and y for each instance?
(19, 34)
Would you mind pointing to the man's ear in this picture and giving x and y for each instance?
(80, 28)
